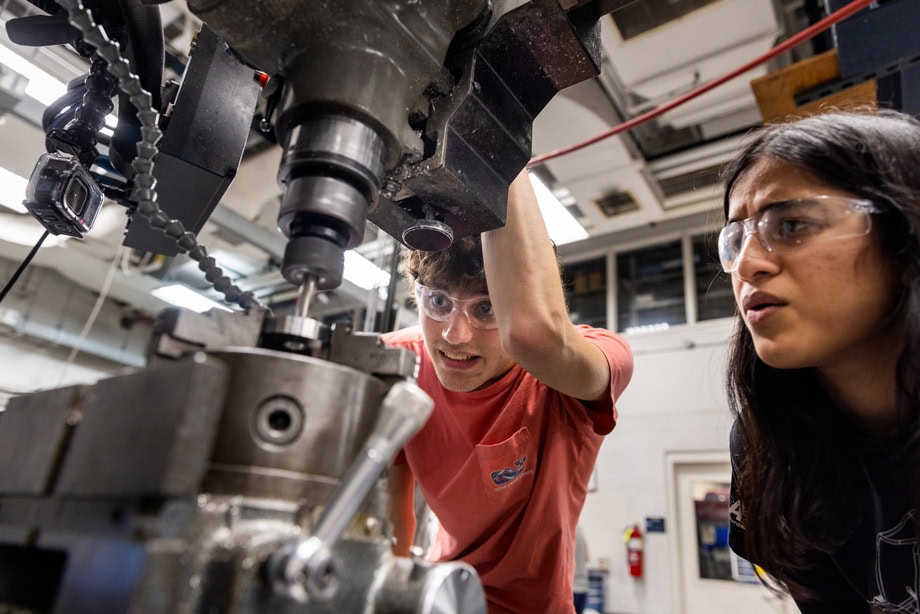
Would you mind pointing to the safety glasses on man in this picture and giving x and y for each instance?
(789, 225)
(439, 306)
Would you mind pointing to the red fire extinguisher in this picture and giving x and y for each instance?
(634, 551)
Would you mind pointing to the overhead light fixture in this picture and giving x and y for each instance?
(12, 191)
(562, 227)
(42, 86)
(647, 328)
(183, 296)
(362, 272)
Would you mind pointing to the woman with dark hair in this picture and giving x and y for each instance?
(821, 241)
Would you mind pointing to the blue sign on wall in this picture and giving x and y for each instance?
(654, 524)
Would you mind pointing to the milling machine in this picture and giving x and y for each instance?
(240, 471)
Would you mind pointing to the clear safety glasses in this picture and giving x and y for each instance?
(439, 306)
(784, 226)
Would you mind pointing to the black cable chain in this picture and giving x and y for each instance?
(144, 190)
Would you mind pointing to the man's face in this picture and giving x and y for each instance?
(465, 357)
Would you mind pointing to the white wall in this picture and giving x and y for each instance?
(675, 402)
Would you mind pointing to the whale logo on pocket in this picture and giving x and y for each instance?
(503, 476)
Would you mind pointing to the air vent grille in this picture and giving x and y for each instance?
(640, 17)
(616, 203)
(688, 182)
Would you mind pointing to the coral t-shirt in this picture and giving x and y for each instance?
(505, 470)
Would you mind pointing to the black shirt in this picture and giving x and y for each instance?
(879, 563)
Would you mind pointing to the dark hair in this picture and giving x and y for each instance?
(795, 475)
(459, 267)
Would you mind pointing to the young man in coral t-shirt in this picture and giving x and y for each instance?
(523, 398)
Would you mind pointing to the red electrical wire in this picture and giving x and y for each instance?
(809, 32)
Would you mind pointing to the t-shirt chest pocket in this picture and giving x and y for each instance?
(507, 468)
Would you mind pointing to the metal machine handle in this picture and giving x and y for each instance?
(304, 569)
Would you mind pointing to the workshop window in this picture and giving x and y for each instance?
(714, 298)
(650, 288)
(586, 291)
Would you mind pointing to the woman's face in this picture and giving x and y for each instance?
(824, 303)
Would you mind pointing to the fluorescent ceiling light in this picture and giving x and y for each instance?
(12, 191)
(562, 227)
(647, 328)
(183, 296)
(42, 86)
(363, 273)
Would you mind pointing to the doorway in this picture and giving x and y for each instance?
(709, 578)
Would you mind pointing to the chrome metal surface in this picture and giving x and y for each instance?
(305, 570)
(330, 173)
(295, 325)
(340, 406)
(305, 296)
(340, 136)
(452, 589)
(179, 331)
(365, 352)
(331, 167)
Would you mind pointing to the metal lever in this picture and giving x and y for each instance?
(304, 569)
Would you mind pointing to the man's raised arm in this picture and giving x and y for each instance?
(529, 302)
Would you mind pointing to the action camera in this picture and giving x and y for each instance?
(63, 196)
